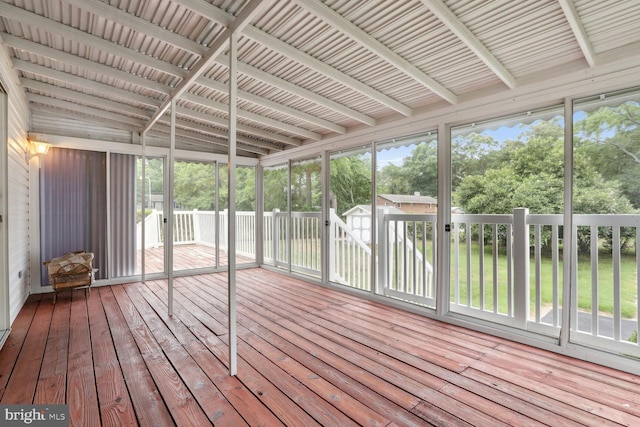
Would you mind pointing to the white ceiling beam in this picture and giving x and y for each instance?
(208, 11)
(224, 108)
(249, 130)
(316, 65)
(32, 19)
(138, 24)
(86, 64)
(201, 127)
(85, 99)
(94, 106)
(580, 34)
(211, 12)
(270, 79)
(238, 24)
(451, 21)
(50, 105)
(108, 90)
(103, 89)
(122, 17)
(164, 129)
(83, 110)
(79, 114)
(264, 102)
(361, 37)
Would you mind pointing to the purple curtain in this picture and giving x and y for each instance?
(73, 214)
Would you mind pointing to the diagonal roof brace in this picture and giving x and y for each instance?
(364, 39)
(580, 34)
(236, 26)
(451, 21)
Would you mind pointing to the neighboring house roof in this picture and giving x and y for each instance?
(404, 198)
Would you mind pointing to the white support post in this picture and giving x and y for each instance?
(276, 236)
(373, 221)
(216, 216)
(443, 219)
(259, 216)
(569, 234)
(143, 178)
(169, 224)
(326, 255)
(521, 266)
(383, 251)
(231, 220)
(331, 246)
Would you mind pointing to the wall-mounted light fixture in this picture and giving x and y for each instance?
(37, 149)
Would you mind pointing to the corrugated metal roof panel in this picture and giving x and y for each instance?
(143, 61)
(611, 24)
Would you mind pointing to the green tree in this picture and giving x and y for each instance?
(194, 185)
(275, 188)
(350, 181)
(534, 178)
(476, 153)
(611, 138)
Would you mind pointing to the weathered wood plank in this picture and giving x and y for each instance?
(52, 383)
(546, 407)
(22, 384)
(12, 346)
(115, 405)
(82, 396)
(182, 406)
(273, 399)
(210, 399)
(145, 397)
(308, 355)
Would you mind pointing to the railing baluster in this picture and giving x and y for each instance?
(509, 270)
(594, 280)
(637, 283)
(468, 236)
(481, 263)
(538, 271)
(555, 260)
(617, 288)
(494, 237)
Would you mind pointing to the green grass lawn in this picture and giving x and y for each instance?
(605, 282)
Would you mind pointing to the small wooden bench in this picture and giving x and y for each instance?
(71, 271)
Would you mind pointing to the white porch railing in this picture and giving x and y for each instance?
(503, 268)
(408, 246)
(349, 257)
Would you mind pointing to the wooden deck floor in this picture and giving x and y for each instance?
(186, 257)
(307, 356)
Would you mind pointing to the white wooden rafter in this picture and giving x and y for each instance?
(122, 17)
(218, 46)
(451, 21)
(54, 54)
(580, 34)
(219, 106)
(264, 102)
(85, 64)
(374, 46)
(51, 26)
(211, 12)
(49, 104)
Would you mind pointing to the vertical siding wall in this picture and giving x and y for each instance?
(18, 182)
